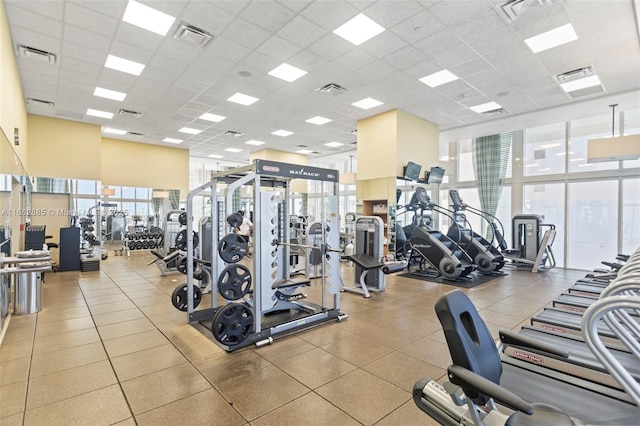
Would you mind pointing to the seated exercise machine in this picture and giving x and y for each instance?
(478, 377)
(531, 247)
(368, 256)
(437, 249)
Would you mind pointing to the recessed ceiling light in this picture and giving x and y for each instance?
(190, 130)
(304, 151)
(98, 113)
(216, 156)
(552, 38)
(318, 120)
(577, 159)
(242, 99)
(172, 140)
(254, 142)
(212, 117)
(581, 84)
(148, 18)
(489, 106)
(109, 94)
(282, 133)
(367, 103)
(550, 145)
(120, 64)
(333, 144)
(359, 29)
(287, 72)
(439, 78)
(114, 131)
(233, 150)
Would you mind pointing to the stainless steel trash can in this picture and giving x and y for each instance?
(27, 293)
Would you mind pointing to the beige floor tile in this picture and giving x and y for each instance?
(16, 334)
(324, 335)
(155, 300)
(119, 316)
(264, 390)
(101, 300)
(403, 370)
(356, 350)
(128, 422)
(67, 358)
(91, 293)
(68, 383)
(12, 399)
(207, 407)
(429, 350)
(62, 314)
(125, 328)
(101, 407)
(134, 342)
(64, 326)
(170, 318)
(111, 307)
(154, 390)
(20, 349)
(310, 407)
(157, 308)
(146, 361)
(284, 348)
(407, 414)
(225, 366)
(15, 370)
(326, 367)
(57, 342)
(364, 396)
(193, 344)
(12, 420)
(24, 320)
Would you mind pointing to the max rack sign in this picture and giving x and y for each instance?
(295, 171)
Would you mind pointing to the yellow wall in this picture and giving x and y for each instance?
(143, 165)
(418, 141)
(377, 189)
(377, 146)
(63, 149)
(13, 112)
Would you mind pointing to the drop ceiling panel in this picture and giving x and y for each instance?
(388, 14)
(417, 27)
(207, 16)
(97, 23)
(301, 31)
(85, 57)
(539, 20)
(33, 21)
(267, 15)
(383, 44)
(278, 48)
(22, 36)
(245, 33)
(130, 34)
(331, 17)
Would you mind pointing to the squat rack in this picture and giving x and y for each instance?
(270, 182)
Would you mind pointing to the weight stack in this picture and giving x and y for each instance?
(88, 265)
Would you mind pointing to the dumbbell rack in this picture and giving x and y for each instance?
(142, 241)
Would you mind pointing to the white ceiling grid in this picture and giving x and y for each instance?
(180, 81)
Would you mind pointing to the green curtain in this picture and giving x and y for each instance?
(174, 199)
(490, 156)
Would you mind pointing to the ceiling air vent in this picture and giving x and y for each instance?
(331, 88)
(40, 55)
(233, 133)
(135, 114)
(576, 74)
(192, 35)
(34, 101)
(136, 134)
(513, 9)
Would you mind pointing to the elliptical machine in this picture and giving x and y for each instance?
(437, 249)
(485, 255)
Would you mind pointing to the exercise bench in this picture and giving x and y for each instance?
(369, 263)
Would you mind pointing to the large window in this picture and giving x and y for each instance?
(581, 131)
(465, 161)
(592, 226)
(547, 200)
(631, 127)
(630, 215)
(544, 150)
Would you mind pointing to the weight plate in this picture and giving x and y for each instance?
(182, 265)
(232, 248)
(234, 220)
(182, 219)
(132, 245)
(232, 323)
(181, 240)
(138, 245)
(180, 296)
(234, 282)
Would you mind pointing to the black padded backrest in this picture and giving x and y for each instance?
(470, 343)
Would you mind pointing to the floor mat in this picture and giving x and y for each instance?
(471, 281)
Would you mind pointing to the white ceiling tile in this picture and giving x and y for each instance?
(383, 44)
(390, 13)
(25, 37)
(456, 55)
(51, 9)
(470, 67)
(86, 38)
(225, 50)
(451, 13)
(301, 31)
(438, 43)
(70, 64)
(418, 27)
(34, 22)
(279, 48)
(376, 70)
(267, 14)
(207, 16)
(330, 47)
(91, 20)
(245, 33)
(484, 77)
(329, 15)
(355, 59)
(112, 8)
(180, 50)
(296, 5)
(136, 36)
(493, 40)
(540, 20)
(404, 57)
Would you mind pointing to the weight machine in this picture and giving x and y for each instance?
(262, 300)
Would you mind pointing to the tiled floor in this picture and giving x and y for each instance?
(109, 348)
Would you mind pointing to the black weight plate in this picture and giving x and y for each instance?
(232, 248)
(234, 220)
(234, 282)
(139, 245)
(145, 245)
(182, 219)
(181, 240)
(179, 297)
(232, 323)
(132, 245)
(182, 266)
